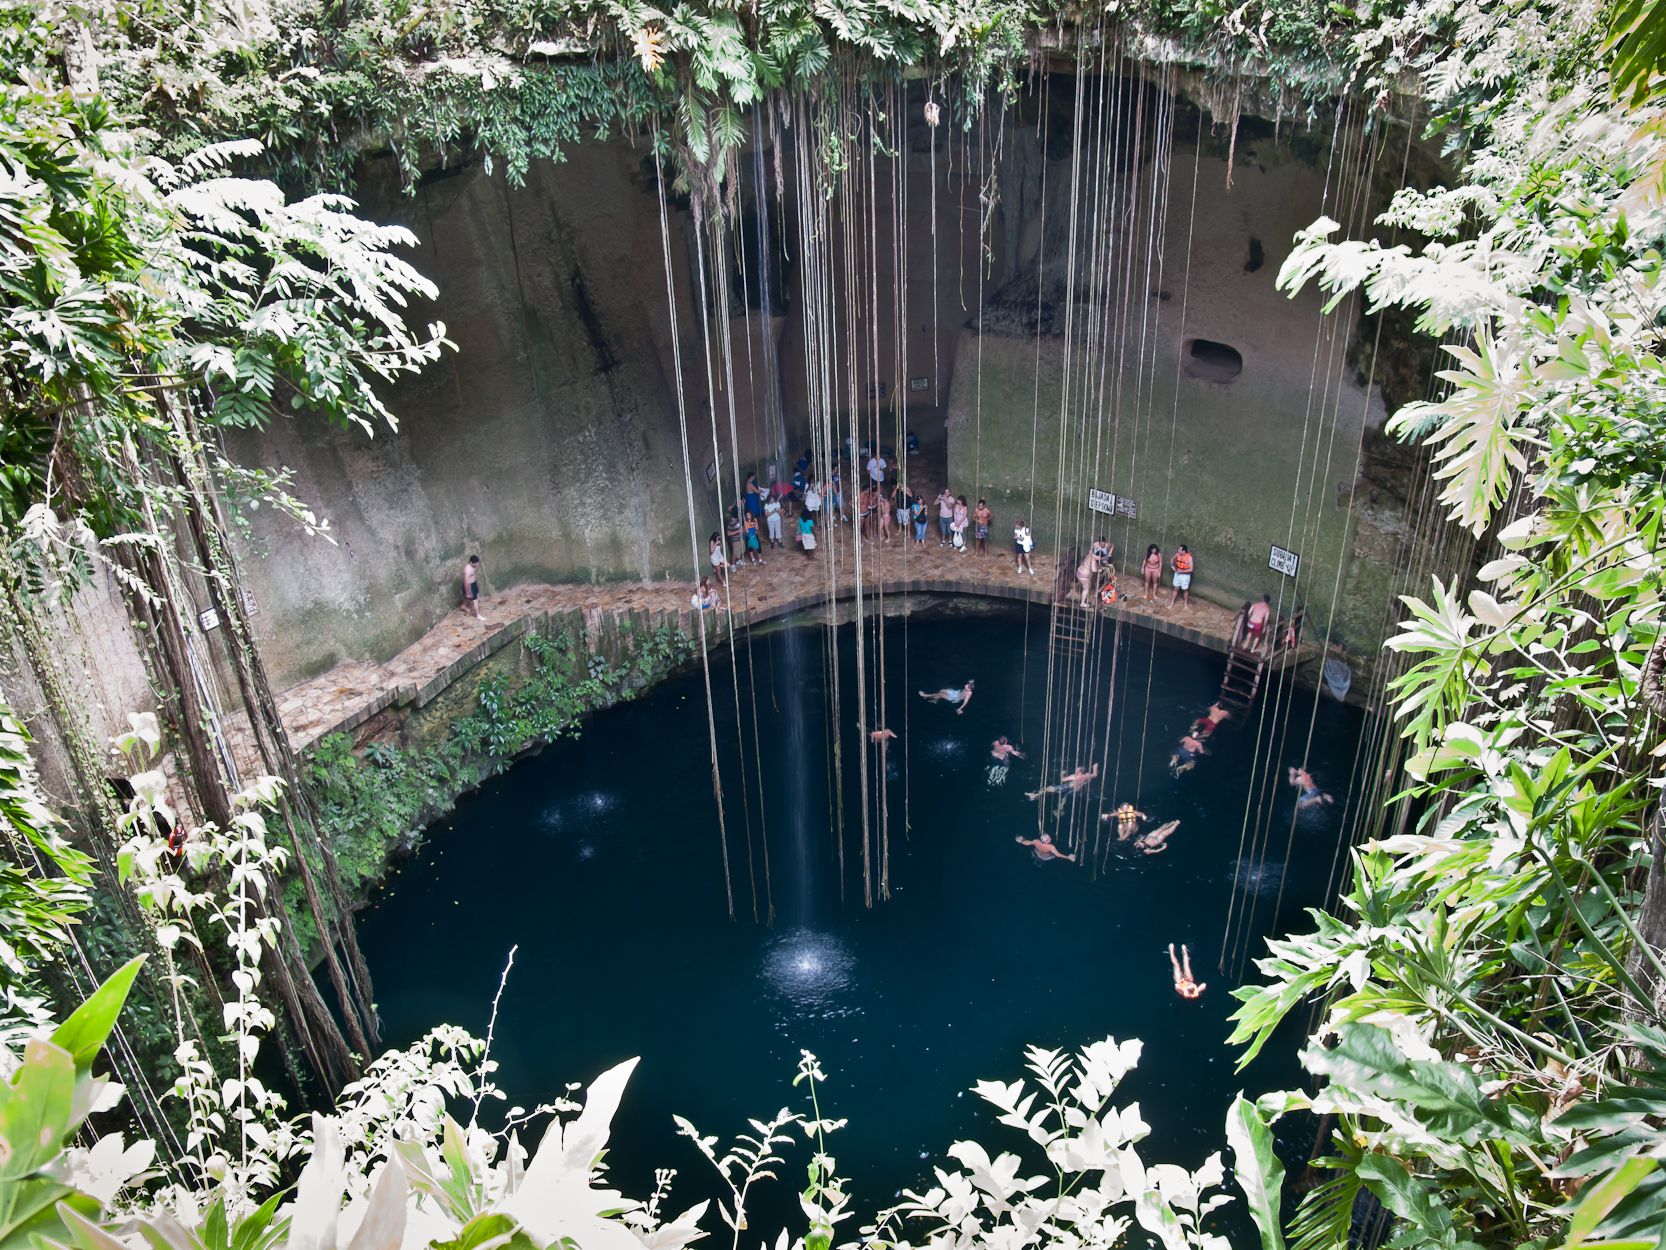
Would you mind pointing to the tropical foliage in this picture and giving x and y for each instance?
(1489, 1053)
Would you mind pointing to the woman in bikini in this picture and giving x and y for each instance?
(1153, 570)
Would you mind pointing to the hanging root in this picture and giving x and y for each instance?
(1654, 669)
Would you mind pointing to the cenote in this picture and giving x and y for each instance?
(599, 859)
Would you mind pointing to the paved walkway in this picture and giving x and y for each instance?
(352, 692)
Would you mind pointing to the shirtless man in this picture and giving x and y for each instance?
(881, 736)
(1069, 783)
(1184, 985)
(1156, 842)
(1308, 793)
(1087, 572)
(1127, 819)
(1044, 848)
(1185, 755)
(962, 697)
(471, 585)
(1002, 750)
(1256, 624)
(1210, 720)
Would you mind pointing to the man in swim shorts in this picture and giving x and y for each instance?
(1186, 755)
(1069, 783)
(960, 697)
(1182, 566)
(1044, 848)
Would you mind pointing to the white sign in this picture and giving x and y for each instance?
(918, 384)
(1112, 504)
(1284, 561)
(209, 618)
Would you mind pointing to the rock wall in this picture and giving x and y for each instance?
(550, 442)
(1169, 369)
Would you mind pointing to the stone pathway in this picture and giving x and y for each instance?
(352, 692)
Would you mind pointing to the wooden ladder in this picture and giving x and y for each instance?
(1073, 627)
(1242, 681)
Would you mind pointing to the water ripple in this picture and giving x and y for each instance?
(812, 974)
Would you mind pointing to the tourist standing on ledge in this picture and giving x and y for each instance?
(945, 516)
(807, 535)
(812, 500)
(772, 518)
(714, 552)
(876, 469)
(1087, 572)
(981, 519)
(1182, 565)
(1153, 570)
(901, 500)
(957, 527)
(1022, 544)
(471, 585)
(917, 514)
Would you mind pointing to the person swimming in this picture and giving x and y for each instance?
(960, 697)
(1308, 793)
(1069, 783)
(1003, 750)
(1127, 819)
(1186, 755)
(1156, 842)
(1184, 983)
(882, 736)
(1210, 720)
(1044, 848)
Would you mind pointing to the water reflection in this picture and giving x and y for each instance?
(1258, 877)
(810, 973)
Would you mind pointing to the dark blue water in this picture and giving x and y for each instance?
(600, 859)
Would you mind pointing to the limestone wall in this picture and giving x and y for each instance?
(550, 443)
(1229, 467)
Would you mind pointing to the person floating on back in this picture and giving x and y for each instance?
(471, 585)
(1184, 984)
(1044, 848)
(960, 697)
(880, 737)
(1127, 819)
(1156, 842)
(1068, 783)
(1185, 756)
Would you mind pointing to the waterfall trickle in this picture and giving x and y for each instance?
(800, 766)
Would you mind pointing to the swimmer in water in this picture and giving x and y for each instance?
(1186, 755)
(1127, 819)
(1003, 750)
(1210, 720)
(1069, 783)
(1156, 842)
(1184, 985)
(882, 736)
(1044, 848)
(961, 697)
(1308, 793)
